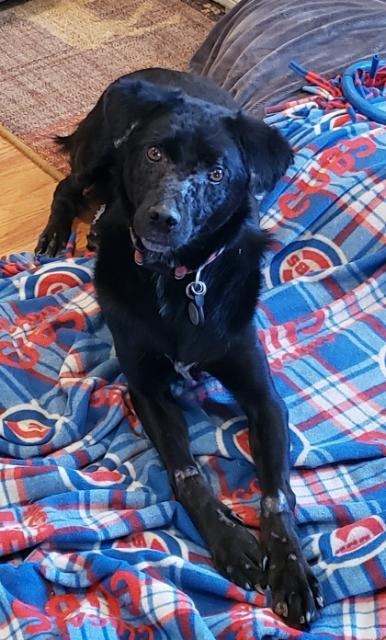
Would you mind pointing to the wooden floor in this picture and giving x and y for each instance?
(26, 193)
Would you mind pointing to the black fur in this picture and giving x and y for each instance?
(179, 166)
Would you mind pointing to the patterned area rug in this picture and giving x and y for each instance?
(214, 10)
(58, 55)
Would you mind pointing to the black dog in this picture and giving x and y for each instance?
(177, 277)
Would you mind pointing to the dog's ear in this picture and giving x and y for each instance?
(128, 102)
(267, 153)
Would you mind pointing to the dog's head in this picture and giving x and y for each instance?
(187, 167)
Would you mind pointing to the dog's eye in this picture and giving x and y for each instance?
(216, 175)
(154, 154)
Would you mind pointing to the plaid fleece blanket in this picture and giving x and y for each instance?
(93, 544)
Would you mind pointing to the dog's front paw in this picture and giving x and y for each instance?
(237, 554)
(93, 240)
(296, 594)
(53, 240)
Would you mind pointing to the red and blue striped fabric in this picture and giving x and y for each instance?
(92, 543)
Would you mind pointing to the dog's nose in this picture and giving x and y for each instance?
(165, 217)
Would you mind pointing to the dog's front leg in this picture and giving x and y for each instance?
(66, 204)
(235, 551)
(245, 372)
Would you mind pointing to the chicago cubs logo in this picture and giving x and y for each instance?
(53, 278)
(26, 424)
(148, 540)
(103, 478)
(355, 536)
(28, 430)
(233, 439)
(165, 543)
(309, 257)
(241, 440)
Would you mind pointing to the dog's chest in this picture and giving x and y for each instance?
(195, 329)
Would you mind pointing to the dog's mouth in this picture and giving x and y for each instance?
(151, 245)
(151, 251)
